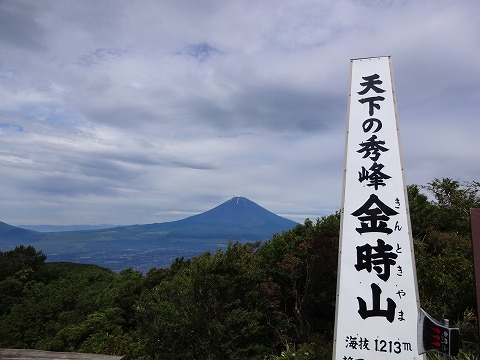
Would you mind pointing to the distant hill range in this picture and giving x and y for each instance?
(137, 246)
(60, 228)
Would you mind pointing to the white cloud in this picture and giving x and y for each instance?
(135, 112)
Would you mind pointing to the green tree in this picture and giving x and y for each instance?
(24, 259)
(301, 281)
(445, 274)
(18, 268)
(210, 308)
(453, 200)
(44, 308)
(422, 211)
(443, 251)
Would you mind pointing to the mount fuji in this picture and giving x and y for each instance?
(154, 245)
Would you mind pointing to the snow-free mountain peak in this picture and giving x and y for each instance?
(240, 211)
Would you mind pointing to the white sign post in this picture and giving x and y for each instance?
(377, 295)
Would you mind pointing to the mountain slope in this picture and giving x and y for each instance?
(153, 245)
(235, 219)
(240, 211)
(14, 233)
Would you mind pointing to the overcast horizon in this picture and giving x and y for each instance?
(136, 112)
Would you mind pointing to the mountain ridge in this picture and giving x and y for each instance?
(9, 232)
(61, 228)
(212, 214)
(237, 219)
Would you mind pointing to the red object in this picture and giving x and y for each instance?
(475, 229)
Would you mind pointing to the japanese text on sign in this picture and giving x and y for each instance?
(377, 282)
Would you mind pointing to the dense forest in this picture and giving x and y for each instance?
(271, 300)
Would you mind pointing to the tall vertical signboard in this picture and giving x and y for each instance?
(377, 296)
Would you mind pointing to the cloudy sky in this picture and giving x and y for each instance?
(126, 112)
